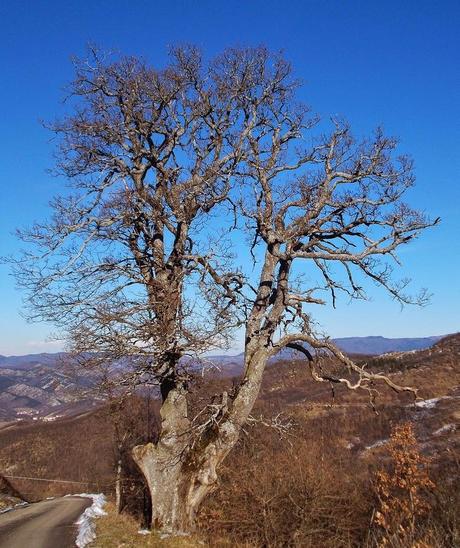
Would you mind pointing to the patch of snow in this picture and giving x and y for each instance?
(445, 428)
(8, 508)
(85, 523)
(398, 354)
(144, 532)
(429, 404)
(378, 443)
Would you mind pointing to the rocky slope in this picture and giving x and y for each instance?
(41, 387)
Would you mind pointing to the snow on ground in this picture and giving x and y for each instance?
(8, 508)
(378, 443)
(85, 523)
(445, 428)
(429, 404)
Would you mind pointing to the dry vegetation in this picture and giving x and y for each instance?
(317, 492)
(123, 530)
(313, 482)
(404, 490)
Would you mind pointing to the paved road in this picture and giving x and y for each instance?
(46, 524)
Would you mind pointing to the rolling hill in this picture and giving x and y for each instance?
(46, 386)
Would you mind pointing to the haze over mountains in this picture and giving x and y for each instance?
(372, 345)
(29, 360)
(381, 345)
(41, 386)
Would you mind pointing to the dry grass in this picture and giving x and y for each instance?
(117, 531)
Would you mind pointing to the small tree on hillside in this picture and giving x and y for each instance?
(133, 264)
(401, 491)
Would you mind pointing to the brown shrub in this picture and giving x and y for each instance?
(277, 494)
(402, 490)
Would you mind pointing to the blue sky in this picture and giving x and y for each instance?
(391, 63)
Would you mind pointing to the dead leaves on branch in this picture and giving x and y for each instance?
(402, 490)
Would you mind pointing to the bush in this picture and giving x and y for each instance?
(275, 494)
(402, 491)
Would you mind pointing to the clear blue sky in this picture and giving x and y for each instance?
(392, 63)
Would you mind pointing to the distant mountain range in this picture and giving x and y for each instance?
(372, 345)
(382, 345)
(42, 386)
(30, 360)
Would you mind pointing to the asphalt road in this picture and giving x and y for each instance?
(46, 524)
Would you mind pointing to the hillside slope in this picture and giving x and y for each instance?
(47, 386)
(320, 463)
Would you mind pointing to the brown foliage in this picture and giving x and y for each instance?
(402, 489)
(302, 493)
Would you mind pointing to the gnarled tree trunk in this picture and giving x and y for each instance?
(161, 464)
(163, 472)
(181, 469)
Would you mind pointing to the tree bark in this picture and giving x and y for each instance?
(118, 487)
(162, 471)
(180, 469)
(162, 464)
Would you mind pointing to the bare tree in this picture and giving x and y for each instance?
(132, 265)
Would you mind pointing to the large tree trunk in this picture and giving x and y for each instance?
(161, 463)
(177, 487)
(163, 471)
(180, 469)
(179, 473)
